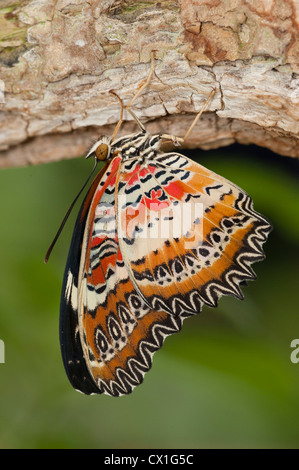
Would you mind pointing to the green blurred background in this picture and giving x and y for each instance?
(225, 381)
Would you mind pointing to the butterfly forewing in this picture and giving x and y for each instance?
(192, 235)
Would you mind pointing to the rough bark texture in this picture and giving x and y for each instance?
(60, 58)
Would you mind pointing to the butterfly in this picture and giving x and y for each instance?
(158, 236)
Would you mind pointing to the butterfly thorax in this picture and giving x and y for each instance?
(142, 145)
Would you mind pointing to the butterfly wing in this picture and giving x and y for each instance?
(189, 235)
(70, 343)
(108, 332)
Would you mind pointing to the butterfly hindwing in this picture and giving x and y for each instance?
(71, 349)
(110, 331)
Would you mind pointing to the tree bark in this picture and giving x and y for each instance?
(60, 58)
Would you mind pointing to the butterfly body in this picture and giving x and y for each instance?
(158, 236)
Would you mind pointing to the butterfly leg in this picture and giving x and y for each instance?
(178, 140)
(121, 115)
(145, 83)
(141, 87)
(204, 107)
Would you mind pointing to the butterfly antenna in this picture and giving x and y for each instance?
(67, 214)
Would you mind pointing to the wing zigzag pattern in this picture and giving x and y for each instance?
(125, 381)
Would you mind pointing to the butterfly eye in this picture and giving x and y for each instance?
(102, 152)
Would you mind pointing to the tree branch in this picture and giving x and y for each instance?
(59, 59)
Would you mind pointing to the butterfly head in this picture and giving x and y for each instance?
(100, 149)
